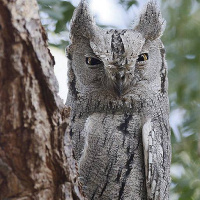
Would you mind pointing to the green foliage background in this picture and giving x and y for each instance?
(182, 42)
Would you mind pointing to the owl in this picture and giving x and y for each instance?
(118, 94)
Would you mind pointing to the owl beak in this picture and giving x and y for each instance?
(119, 83)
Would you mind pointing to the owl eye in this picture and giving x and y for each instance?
(143, 57)
(93, 61)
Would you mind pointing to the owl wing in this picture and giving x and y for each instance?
(157, 160)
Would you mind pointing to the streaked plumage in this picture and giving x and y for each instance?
(118, 96)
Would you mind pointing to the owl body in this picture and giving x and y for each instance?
(112, 160)
(119, 102)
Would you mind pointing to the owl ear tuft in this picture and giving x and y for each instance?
(82, 23)
(151, 24)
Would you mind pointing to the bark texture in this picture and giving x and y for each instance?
(34, 161)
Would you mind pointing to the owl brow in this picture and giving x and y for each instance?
(143, 52)
(91, 55)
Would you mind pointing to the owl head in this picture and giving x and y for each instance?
(116, 62)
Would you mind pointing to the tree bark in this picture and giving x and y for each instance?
(34, 161)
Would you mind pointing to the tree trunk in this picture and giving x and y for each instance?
(34, 161)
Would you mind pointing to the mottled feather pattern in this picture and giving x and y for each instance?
(119, 107)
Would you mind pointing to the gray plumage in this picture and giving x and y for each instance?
(118, 94)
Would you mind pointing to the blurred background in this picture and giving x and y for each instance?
(182, 41)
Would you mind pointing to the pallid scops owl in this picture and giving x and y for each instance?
(118, 94)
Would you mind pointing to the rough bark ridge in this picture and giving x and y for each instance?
(33, 119)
